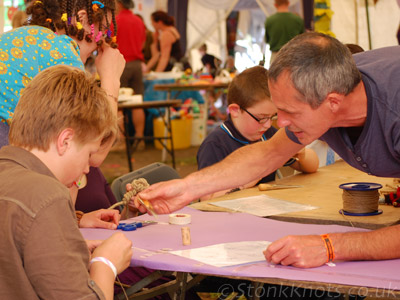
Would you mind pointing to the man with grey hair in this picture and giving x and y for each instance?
(321, 92)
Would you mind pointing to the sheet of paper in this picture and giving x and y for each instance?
(227, 254)
(262, 205)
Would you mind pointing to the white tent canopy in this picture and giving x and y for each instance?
(206, 22)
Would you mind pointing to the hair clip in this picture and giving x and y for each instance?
(98, 37)
(38, 2)
(109, 33)
(79, 25)
(69, 20)
(49, 20)
(114, 39)
(78, 183)
(92, 29)
(99, 3)
(64, 17)
(95, 7)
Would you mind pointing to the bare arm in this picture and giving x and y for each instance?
(241, 167)
(155, 54)
(118, 250)
(166, 41)
(220, 193)
(309, 251)
(110, 64)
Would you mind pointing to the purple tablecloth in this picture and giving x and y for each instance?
(208, 228)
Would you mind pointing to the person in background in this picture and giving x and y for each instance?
(230, 64)
(147, 44)
(39, 235)
(210, 62)
(61, 32)
(251, 112)
(281, 27)
(166, 49)
(18, 19)
(131, 36)
(354, 48)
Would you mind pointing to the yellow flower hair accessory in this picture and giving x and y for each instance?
(79, 25)
(64, 17)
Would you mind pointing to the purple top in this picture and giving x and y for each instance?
(96, 194)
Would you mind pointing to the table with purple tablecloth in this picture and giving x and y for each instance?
(152, 243)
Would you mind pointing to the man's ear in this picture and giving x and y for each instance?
(334, 101)
(234, 110)
(64, 140)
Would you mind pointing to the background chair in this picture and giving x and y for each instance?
(153, 173)
(179, 283)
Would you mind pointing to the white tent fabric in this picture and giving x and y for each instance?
(242, 4)
(349, 22)
(206, 23)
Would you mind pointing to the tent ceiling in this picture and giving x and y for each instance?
(242, 4)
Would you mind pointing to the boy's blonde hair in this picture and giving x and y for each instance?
(249, 87)
(57, 98)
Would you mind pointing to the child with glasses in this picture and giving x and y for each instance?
(251, 113)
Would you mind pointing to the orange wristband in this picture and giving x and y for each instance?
(330, 251)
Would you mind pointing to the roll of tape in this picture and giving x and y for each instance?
(180, 219)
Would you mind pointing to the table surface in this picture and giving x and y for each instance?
(319, 189)
(190, 86)
(150, 104)
(152, 244)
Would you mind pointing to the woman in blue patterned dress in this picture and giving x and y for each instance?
(59, 32)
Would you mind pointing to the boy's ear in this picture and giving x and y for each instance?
(234, 109)
(64, 140)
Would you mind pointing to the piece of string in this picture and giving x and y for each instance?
(122, 287)
(347, 219)
(360, 202)
(138, 185)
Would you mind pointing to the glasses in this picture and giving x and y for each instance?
(262, 120)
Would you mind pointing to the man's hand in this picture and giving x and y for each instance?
(165, 197)
(305, 251)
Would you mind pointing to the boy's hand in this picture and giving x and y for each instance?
(102, 218)
(93, 244)
(117, 249)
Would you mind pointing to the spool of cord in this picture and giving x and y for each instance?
(360, 199)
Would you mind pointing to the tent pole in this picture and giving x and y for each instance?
(356, 18)
(262, 7)
(368, 25)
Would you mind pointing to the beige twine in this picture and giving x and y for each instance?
(360, 202)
